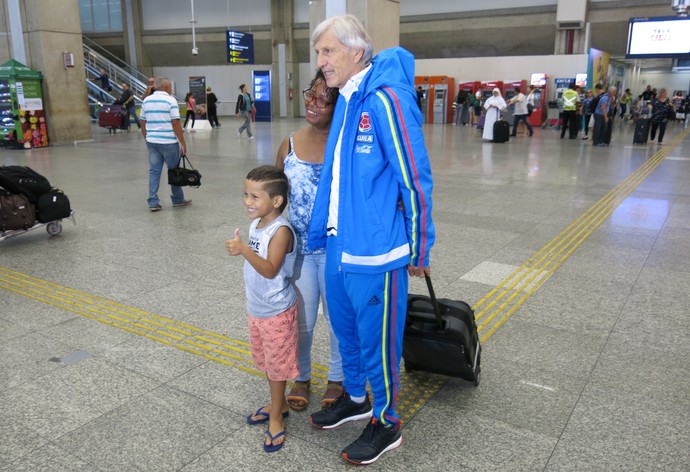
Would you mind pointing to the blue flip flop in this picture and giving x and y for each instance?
(265, 416)
(273, 447)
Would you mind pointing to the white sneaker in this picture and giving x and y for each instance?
(239, 133)
(251, 137)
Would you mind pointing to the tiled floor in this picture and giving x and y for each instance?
(585, 365)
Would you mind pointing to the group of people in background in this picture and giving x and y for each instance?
(578, 109)
(472, 109)
(128, 100)
(650, 105)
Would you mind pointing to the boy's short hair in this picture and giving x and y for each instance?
(274, 181)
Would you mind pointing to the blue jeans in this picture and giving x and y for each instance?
(158, 154)
(132, 112)
(599, 130)
(309, 280)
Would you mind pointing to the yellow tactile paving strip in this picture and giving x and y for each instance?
(492, 311)
(502, 302)
(414, 390)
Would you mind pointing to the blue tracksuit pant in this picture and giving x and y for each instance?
(368, 317)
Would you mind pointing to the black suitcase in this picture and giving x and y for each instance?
(501, 130)
(441, 337)
(52, 206)
(641, 131)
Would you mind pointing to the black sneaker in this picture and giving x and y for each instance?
(341, 411)
(372, 443)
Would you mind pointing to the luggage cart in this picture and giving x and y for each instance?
(53, 228)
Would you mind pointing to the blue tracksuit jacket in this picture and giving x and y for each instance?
(383, 161)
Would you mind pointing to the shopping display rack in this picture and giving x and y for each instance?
(53, 228)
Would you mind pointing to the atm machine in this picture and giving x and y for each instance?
(440, 104)
(539, 81)
(469, 87)
(488, 87)
(423, 81)
(561, 86)
(508, 93)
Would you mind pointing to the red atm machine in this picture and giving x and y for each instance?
(439, 97)
(509, 88)
(539, 82)
(469, 87)
(508, 93)
(488, 87)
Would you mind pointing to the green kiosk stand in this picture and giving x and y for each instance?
(22, 117)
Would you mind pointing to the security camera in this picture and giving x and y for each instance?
(195, 51)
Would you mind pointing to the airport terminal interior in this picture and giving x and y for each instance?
(125, 339)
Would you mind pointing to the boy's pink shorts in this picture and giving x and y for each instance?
(273, 344)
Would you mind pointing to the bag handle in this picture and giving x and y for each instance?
(434, 302)
(184, 160)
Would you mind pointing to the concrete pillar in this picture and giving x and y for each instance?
(132, 28)
(52, 28)
(570, 41)
(285, 70)
(381, 18)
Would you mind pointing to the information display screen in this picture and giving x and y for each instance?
(197, 85)
(240, 47)
(659, 37)
(538, 79)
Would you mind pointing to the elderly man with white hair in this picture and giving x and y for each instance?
(372, 213)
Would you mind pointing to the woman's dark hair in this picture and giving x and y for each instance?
(331, 93)
(186, 97)
(242, 86)
(274, 181)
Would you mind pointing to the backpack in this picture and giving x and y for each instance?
(25, 181)
(592, 107)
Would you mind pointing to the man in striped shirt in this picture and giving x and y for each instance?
(160, 125)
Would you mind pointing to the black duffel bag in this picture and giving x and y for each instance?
(182, 176)
(23, 180)
(52, 206)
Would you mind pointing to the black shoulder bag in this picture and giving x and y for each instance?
(183, 176)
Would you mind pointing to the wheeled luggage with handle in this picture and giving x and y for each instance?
(441, 337)
(501, 131)
(113, 117)
(641, 131)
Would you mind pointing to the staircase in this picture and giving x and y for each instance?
(97, 58)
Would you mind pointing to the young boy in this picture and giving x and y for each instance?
(271, 300)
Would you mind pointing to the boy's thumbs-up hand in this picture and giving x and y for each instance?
(234, 246)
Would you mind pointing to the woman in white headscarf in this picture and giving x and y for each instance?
(494, 105)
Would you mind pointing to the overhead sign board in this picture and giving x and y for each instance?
(659, 37)
(239, 47)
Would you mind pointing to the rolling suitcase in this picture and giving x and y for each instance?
(641, 131)
(480, 123)
(501, 129)
(441, 337)
(113, 117)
